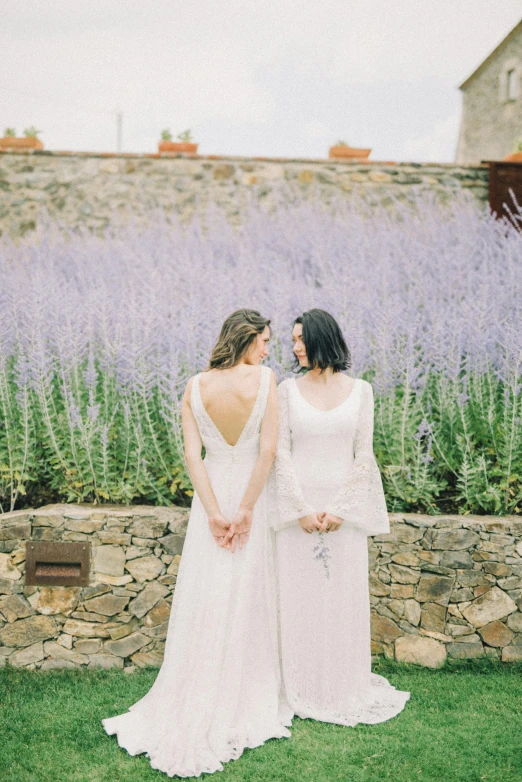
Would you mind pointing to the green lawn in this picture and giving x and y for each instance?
(462, 724)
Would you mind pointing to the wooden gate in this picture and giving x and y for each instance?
(503, 177)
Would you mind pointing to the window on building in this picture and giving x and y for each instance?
(511, 84)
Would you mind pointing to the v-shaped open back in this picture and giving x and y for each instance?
(208, 427)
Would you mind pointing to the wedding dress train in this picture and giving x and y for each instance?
(218, 690)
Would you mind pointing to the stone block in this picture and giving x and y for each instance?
(86, 527)
(57, 652)
(113, 580)
(94, 591)
(8, 571)
(16, 530)
(107, 605)
(81, 629)
(456, 559)
(109, 560)
(152, 659)
(497, 569)
(54, 664)
(111, 536)
(105, 661)
(25, 632)
(88, 646)
(471, 578)
(159, 632)
(384, 629)
(420, 650)
(377, 588)
(404, 575)
(65, 640)
(173, 544)
(14, 607)
(412, 612)
(126, 646)
(433, 617)
(145, 568)
(402, 591)
(31, 654)
(512, 654)
(494, 604)
(405, 558)
(454, 539)
(157, 615)
(400, 533)
(121, 630)
(148, 527)
(514, 622)
(223, 171)
(496, 634)
(57, 600)
(465, 651)
(434, 588)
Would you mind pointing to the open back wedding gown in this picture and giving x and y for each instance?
(218, 690)
(325, 462)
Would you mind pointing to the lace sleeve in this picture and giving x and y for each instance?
(291, 505)
(360, 500)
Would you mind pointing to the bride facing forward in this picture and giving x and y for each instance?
(218, 690)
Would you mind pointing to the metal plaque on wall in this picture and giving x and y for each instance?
(57, 563)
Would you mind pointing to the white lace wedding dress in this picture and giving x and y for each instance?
(325, 462)
(218, 690)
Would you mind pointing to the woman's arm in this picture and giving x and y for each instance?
(360, 500)
(219, 526)
(291, 504)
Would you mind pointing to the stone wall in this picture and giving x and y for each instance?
(83, 189)
(440, 586)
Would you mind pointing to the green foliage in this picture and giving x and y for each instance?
(31, 132)
(9, 132)
(341, 144)
(166, 135)
(467, 458)
(454, 447)
(186, 136)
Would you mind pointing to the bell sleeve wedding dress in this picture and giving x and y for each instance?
(325, 462)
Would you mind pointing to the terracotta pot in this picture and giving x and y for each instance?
(20, 142)
(516, 157)
(349, 152)
(178, 146)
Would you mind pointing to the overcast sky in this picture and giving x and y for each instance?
(249, 77)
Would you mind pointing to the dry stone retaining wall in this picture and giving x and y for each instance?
(440, 586)
(89, 190)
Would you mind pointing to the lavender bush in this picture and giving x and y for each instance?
(99, 336)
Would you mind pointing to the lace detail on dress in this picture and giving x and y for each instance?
(360, 500)
(290, 501)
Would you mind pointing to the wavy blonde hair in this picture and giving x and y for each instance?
(236, 335)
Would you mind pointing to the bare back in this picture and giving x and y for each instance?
(229, 396)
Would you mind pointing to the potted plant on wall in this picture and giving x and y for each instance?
(184, 144)
(29, 140)
(344, 151)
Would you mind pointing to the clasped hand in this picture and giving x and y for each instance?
(320, 522)
(228, 534)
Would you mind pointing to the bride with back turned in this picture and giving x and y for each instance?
(218, 690)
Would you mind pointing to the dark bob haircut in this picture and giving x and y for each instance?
(324, 342)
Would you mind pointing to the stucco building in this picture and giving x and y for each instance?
(491, 123)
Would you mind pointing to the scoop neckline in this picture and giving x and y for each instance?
(331, 409)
